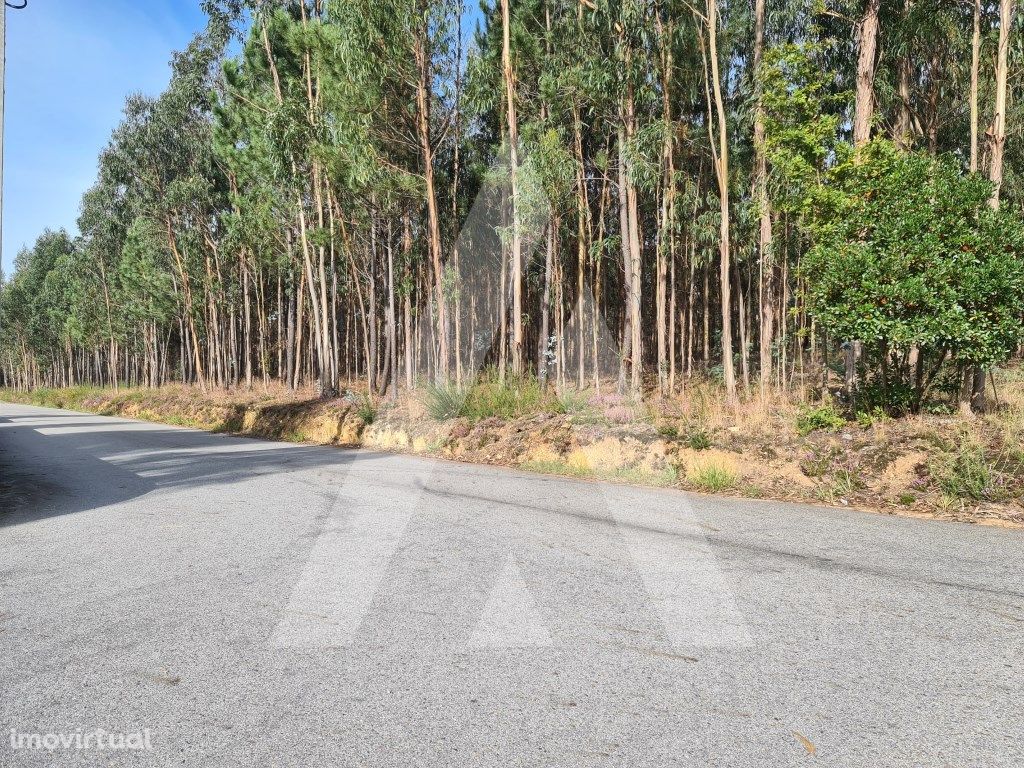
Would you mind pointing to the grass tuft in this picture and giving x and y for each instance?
(444, 401)
(711, 477)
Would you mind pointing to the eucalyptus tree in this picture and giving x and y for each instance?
(293, 207)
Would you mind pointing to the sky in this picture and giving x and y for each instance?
(70, 65)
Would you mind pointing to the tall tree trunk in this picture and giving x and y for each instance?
(997, 134)
(392, 328)
(975, 69)
(631, 233)
(722, 173)
(864, 108)
(865, 90)
(513, 144)
(455, 196)
(582, 211)
(626, 344)
(423, 97)
(666, 239)
(997, 141)
(902, 129)
(766, 256)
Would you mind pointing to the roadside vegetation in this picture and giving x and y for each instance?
(937, 463)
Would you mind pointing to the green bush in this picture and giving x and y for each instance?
(866, 420)
(508, 399)
(366, 410)
(907, 254)
(824, 417)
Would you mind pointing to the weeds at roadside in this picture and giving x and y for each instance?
(489, 397)
(444, 401)
(698, 440)
(711, 477)
(366, 410)
(822, 417)
(966, 474)
(665, 478)
(572, 403)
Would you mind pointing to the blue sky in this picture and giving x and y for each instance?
(70, 65)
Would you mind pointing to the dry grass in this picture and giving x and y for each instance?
(939, 463)
(711, 470)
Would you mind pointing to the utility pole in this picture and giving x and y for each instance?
(3, 88)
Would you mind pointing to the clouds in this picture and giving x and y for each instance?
(70, 65)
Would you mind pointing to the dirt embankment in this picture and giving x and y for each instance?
(925, 466)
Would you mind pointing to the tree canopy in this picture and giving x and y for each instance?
(393, 192)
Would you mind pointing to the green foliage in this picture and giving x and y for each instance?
(823, 417)
(366, 410)
(698, 439)
(670, 431)
(508, 399)
(867, 419)
(907, 253)
(802, 117)
(711, 478)
(966, 474)
(444, 401)
(255, 218)
(572, 402)
(490, 396)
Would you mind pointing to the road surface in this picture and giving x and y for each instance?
(249, 603)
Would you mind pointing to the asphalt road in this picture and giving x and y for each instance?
(263, 604)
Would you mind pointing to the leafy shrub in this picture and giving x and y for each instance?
(824, 417)
(906, 253)
(874, 394)
(866, 420)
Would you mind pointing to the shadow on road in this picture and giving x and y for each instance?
(101, 461)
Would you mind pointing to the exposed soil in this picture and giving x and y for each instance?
(911, 466)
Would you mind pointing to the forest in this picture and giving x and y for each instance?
(628, 194)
